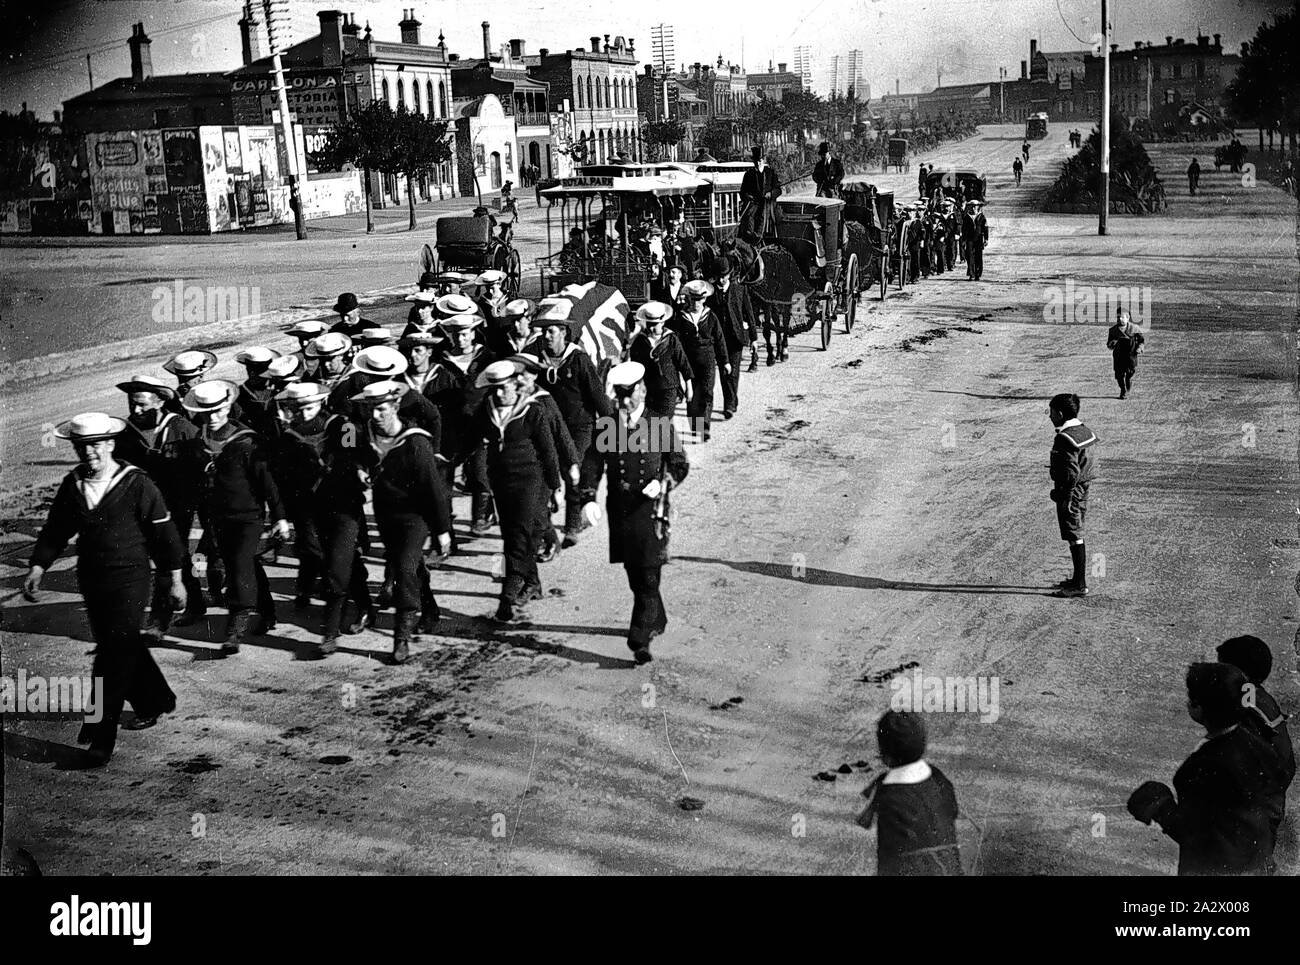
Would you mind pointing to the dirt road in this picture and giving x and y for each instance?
(874, 510)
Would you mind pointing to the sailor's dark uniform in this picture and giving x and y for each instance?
(172, 456)
(410, 503)
(523, 468)
(238, 485)
(666, 366)
(115, 541)
(1073, 468)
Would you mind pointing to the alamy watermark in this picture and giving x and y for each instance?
(648, 434)
(920, 693)
(37, 696)
(1094, 304)
(182, 304)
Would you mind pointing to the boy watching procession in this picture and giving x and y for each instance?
(913, 803)
(1073, 467)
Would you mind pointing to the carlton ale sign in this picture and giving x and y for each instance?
(261, 85)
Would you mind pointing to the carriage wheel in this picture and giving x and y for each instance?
(850, 292)
(828, 314)
(884, 275)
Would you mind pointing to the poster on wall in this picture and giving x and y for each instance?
(117, 174)
(234, 156)
(182, 163)
(192, 209)
(169, 214)
(244, 200)
(152, 146)
(121, 222)
(155, 178)
(215, 177)
(152, 222)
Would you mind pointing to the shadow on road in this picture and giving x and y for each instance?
(64, 757)
(817, 577)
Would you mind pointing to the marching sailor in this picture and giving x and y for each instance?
(570, 376)
(640, 469)
(331, 353)
(410, 503)
(121, 522)
(523, 468)
(660, 352)
(238, 484)
(701, 336)
(165, 445)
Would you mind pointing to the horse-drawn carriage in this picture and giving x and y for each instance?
(871, 212)
(468, 244)
(964, 184)
(896, 156)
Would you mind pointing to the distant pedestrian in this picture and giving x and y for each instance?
(1253, 658)
(913, 802)
(828, 172)
(1193, 177)
(1018, 169)
(350, 322)
(1125, 341)
(1218, 810)
(1024, 149)
(920, 181)
(1073, 468)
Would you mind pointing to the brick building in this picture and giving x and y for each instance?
(146, 100)
(526, 100)
(598, 86)
(1149, 77)
(774, 83)
(342, 69)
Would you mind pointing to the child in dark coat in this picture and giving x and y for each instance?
(914, 803)
(1262, 715)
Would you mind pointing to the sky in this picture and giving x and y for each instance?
(908, 41)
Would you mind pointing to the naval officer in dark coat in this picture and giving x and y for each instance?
(643, 461)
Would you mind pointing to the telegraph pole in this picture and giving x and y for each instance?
(273, 22)
(1104, 192)
(91, 74)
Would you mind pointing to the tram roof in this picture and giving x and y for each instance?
(667, 184)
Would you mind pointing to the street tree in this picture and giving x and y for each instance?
(759, 120)
(420, 144)
(716, 138)
(366, 140)
(1264, 89)
(661, 136)
(804, 112)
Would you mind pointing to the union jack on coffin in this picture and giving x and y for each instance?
(598, 321)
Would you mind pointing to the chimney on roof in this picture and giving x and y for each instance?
(649, 70)
(631, 46)
(898, 87)
(487, 40)
(141, 61)
(781, 67)
(250, 34)
(1114, 48)
(1137, 45)
(516, 49)
(1202, 41)
(543, 51)
(350, 34)
(1216, 39)
(1033, 48)
(1024, 70)
(595, 45)
(410, 27)
(58, 117)
(1169, 40)
(606, 43)
(1179, 42)
(331, 38)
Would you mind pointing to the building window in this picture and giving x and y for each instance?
(384, 88)
(442, 100)
(578, 94)
(1155, 71)
(590, 102)
(1178, 71)
(415, 96)
(401, 93)
(1170, 95)
(428, 90)
(632, 92)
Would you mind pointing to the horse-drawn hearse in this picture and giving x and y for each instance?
(965, 184)
(871, 221)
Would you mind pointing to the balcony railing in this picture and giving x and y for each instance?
(532, 119)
